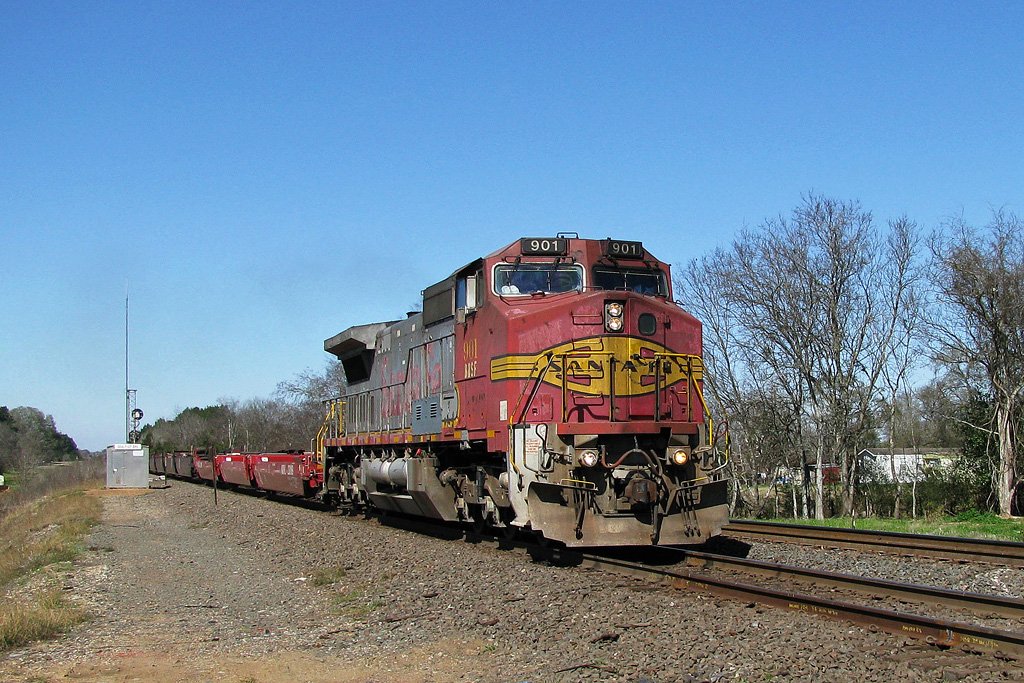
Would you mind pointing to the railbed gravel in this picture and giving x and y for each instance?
(980, 577)
(253, 577)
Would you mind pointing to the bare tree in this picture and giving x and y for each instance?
(906, 341)
(978, 324)
(813, 305)
(288, 420)
(316, 387)
(763, 414)
(8, 447)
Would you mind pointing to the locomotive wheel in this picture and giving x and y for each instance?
(477, 521)
(508, 531)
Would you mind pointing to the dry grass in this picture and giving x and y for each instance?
(35, 483)
(44, 532)
(44, 617)
(37, 533)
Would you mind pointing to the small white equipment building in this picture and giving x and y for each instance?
(127, 466)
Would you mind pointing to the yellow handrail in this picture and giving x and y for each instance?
(689, 380)
(694, 365)
(331, 425)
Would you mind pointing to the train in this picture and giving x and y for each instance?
(291, 473)
(551, 388)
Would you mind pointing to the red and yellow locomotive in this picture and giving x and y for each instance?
(551, 386)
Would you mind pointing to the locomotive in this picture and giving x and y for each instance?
(552, 387)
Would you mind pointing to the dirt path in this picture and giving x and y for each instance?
(172, 599)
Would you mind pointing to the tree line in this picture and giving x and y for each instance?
(285, 421)
(29, 438)
(826, 332)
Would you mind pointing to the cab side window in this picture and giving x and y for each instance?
(467, 291)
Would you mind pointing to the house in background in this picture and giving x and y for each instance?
(910, 464)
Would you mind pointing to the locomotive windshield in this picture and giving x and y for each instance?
(527, 278)
(641, 281)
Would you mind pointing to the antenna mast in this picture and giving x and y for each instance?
(131, 414)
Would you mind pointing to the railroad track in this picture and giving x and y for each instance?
(1004, 644)
(1006, 553)
(689, 571)
(980, 603)
(937, 631)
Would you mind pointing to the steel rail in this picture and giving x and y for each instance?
(939, 632)
(1007, 553)
(975, 602)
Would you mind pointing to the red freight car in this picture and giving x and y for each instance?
(235, 468)
(183, 464)
(204, 467)
(297, 473)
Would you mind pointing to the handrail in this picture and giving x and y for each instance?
(584, 353)
(512, 421)
(533, 393)
(331, 426)
(708, 419)
(543, 364)
(689, 380)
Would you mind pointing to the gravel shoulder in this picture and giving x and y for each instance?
(254, 590)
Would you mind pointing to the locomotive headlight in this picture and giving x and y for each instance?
(680, 456)
(613, 316)
(588, 458)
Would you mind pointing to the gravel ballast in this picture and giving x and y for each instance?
(256, 590)
(972, 577)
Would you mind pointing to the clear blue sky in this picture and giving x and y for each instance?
(266, 174)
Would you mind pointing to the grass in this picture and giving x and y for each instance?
(969, 525)
(37, 533)
(328, 576)
(44, 617)
(45, 532)
(352, 604)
